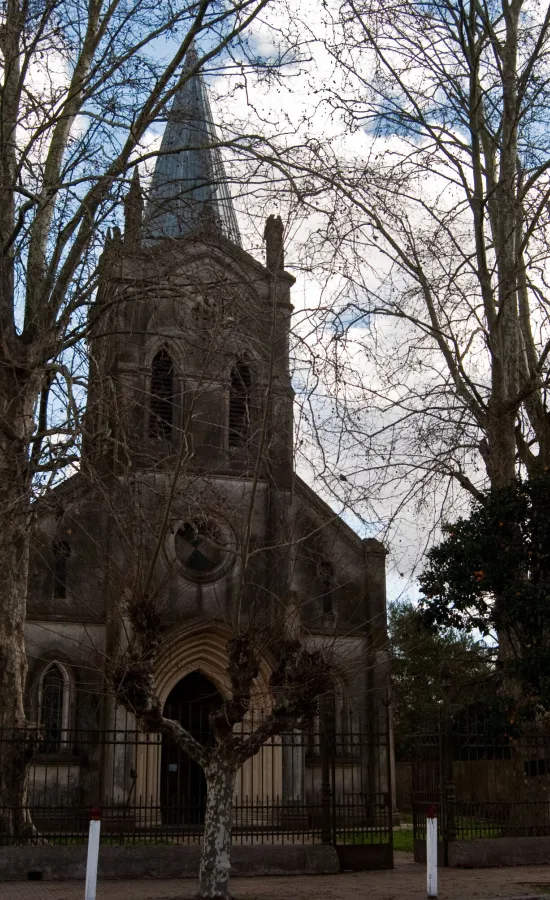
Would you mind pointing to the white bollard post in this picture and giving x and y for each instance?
(93, 855)
(431, 850)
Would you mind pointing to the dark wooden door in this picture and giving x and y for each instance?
(183, 785)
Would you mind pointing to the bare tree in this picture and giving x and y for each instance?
(300, 678)
(436, 237)
(82, 86)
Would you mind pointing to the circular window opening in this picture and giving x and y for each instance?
(201, 548)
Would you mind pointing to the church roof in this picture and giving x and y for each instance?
(189, 188)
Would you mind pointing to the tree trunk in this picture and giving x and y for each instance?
(13, 576)
(17, 740)
(216, 848)
(499, 449)
(17, 747)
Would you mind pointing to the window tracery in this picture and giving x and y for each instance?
(54, 699)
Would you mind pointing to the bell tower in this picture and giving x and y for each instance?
(189, 333)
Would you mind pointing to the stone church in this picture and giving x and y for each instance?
(187, 486)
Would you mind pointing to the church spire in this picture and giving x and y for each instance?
(189, 189)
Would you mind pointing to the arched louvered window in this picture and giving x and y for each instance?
(162, 395)
(239, 405)
(61, 553)
(54, 705)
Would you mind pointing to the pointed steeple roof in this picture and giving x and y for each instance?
(189, 188)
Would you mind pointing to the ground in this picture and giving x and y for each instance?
(406, 882)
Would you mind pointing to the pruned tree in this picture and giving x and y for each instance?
(300, 677)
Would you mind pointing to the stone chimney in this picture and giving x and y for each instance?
(274, 244)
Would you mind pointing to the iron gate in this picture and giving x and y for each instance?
(356, 793)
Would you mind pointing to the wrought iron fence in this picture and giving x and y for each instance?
(482, 786)
(315, 786)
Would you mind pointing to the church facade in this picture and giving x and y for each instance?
(187, 489)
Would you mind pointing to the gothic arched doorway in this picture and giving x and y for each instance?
(183, 785)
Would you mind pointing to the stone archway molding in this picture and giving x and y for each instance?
(202, 648)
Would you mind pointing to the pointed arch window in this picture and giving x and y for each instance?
(61, 553)
(54, 706)
(162, 395)
(239, 404)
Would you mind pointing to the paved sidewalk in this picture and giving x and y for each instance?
(406, 882)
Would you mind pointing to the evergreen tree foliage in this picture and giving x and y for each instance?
(491, 574)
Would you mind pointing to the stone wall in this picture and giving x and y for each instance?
(58, 863)
(512, 851)
(483, 853)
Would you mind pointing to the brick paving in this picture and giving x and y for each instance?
(406, 882)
